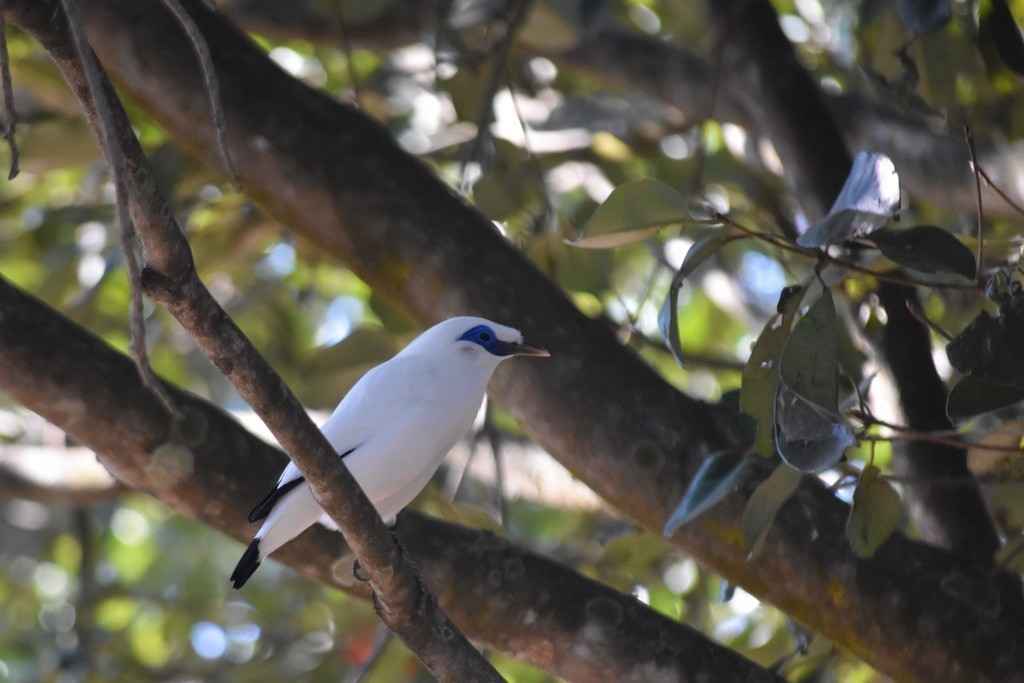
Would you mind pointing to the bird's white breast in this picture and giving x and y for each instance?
(402, 418)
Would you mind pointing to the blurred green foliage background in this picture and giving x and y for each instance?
(117, 588)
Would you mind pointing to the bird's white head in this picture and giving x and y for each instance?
(475, 337)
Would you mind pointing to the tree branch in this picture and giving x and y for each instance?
(400, 599)
(503, 596)
(339, 180)
(958, 518)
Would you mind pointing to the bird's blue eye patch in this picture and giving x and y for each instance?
(485, 337)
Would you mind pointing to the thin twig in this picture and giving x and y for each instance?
(498, 61)
(6, 83)
(538, 171)
(995, 188)
(195, 36)
(786, 245)
(969, 137)
(918, 314)
(951, 439)
(124, 190)
(346, 49)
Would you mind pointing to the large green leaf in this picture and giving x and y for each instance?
(764, 504)
(718, 476)
(926, 248)
(700, 251)
(809, 362)
(869, 198)
(634, 211)
(809, 432)
(761, 373)
(973, 396)
(875, 513)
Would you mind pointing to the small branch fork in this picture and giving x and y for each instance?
(402, 601)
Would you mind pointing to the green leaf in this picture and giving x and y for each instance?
(875, 513)
(926, 248)
(718, 476)
(764, 504)
(761, 373)
(869, 198)
(698, 253)
(808, 437)
(973, 396)
(808, 365)
(634, 211)
(992, 349)
(809, 432)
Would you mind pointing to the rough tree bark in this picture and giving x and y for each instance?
(338, 180)
(503, 596)
(401, 600)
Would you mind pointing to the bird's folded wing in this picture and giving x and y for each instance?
(290, 478)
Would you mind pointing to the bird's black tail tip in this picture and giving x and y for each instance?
(247, 565)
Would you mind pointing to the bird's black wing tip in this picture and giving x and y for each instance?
(248, 564)
(264, 507)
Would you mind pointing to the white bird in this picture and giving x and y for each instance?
(394, 427)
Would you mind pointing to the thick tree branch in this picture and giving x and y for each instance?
(402, 602)
(340, 181)
(503, 596)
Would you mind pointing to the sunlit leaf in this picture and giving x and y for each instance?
(634, 211)
(764, 504)
(924, 15)
(718, 476)
(973, 396)
(869, 198)
(613, 240)
(761, 373)
(926, 248)
(875, 513)
(699, 252)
